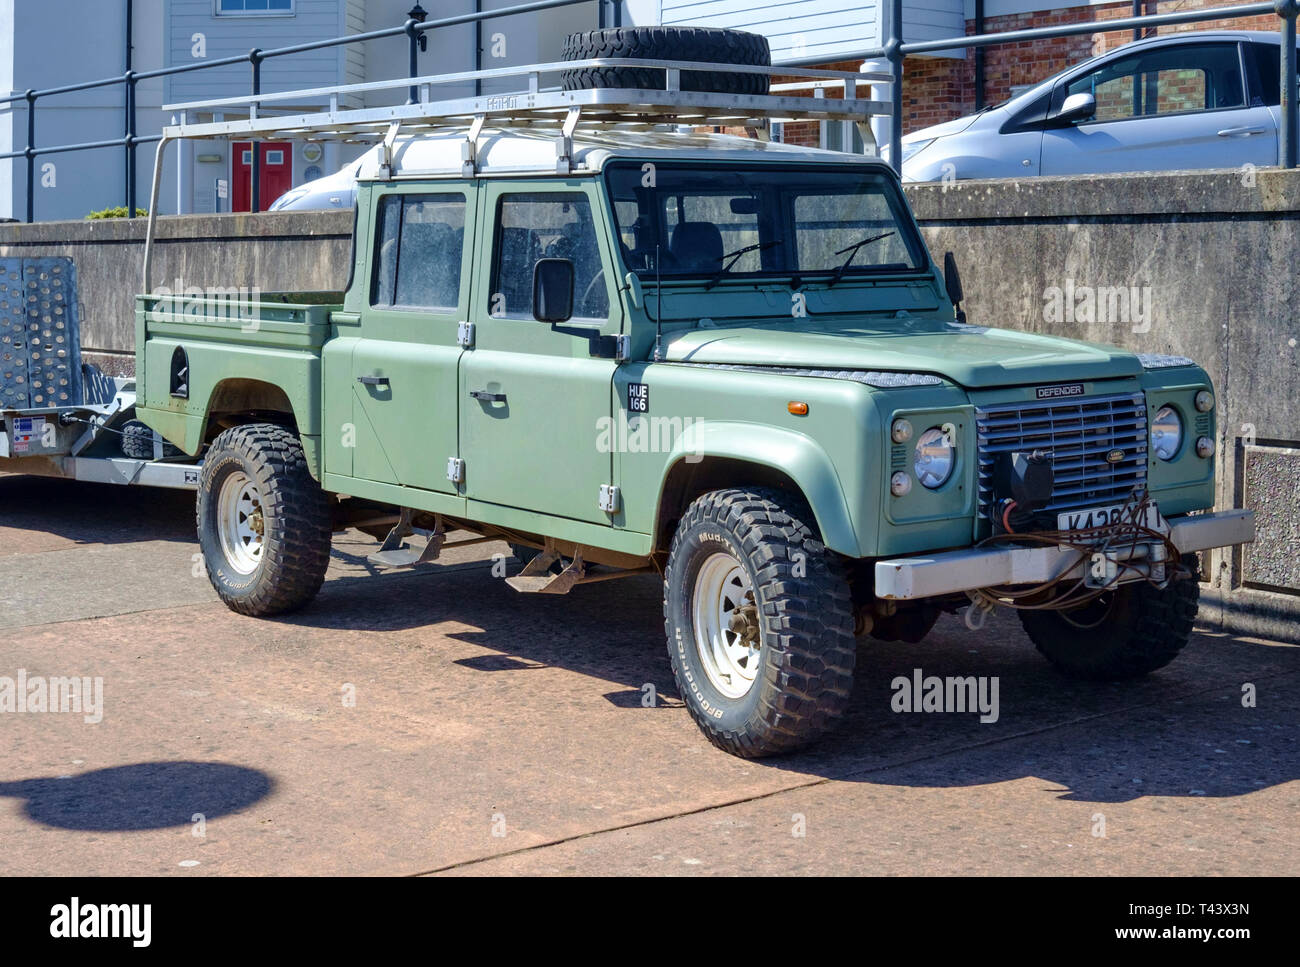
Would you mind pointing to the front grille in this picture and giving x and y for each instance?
(1079, 434)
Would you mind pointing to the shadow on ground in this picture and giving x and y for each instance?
(90, 513)
(1182, 731)
(147, 795)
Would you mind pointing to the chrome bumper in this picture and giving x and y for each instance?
(927, 576)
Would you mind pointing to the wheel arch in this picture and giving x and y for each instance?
(715, 456)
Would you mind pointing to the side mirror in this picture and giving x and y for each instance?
(553, 290)
(1077, 107)
(952, 282)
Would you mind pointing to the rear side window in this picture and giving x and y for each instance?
(419, 242)
(1266, 83)
(551, 225)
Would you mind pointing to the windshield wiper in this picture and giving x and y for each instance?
(853, 253)
(735, 257)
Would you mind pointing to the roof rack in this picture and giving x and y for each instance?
(534, 107)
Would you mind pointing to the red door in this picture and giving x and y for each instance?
(275, 161)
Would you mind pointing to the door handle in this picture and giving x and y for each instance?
(373, 380)
(1240, 132)
(486, 397)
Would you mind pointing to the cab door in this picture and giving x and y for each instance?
(533, 397)
(405, 400)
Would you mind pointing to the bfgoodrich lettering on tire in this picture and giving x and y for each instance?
(264, 523)
(759, 622)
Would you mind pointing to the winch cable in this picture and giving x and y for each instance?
(1088, 541)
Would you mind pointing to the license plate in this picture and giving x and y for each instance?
(1088, 518)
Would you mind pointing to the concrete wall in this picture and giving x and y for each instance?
(275, 251)
(1211, 255)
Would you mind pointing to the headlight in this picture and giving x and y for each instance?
(915, 147)
(1166, 433)
(935, 458)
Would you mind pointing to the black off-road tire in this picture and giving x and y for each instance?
(805, 617)
(137, 442)
(699, 44)
(296, 515)
(1141, 628)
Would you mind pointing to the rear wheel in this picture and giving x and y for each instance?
(759, 622)
(264, 523)
(1125, 633)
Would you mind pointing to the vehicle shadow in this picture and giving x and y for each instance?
(146, 795)
(91, 513)
(1183, 731)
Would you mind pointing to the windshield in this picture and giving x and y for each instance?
(717, 223)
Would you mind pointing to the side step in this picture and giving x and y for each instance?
(536, 577)
(395, 552)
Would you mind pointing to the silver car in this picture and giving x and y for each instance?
(338, 190)
(1204, 99)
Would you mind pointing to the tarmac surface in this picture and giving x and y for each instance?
(436, 722)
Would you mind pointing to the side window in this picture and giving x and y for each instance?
(419, 241)
(1266, 84)
(1170, 80)
(387, 223)
(541, 226)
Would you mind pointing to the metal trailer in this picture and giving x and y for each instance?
(83, 442)
(59, 418)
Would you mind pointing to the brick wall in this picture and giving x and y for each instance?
(939, 89)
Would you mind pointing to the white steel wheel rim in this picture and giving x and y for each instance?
(241, 524)
(723, 596)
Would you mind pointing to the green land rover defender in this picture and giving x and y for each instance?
(627, 347)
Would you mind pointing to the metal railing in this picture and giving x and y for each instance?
(895, 50)
(412, 29)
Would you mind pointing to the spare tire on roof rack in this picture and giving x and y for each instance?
(712, 45)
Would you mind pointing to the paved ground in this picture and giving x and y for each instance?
(494, 733)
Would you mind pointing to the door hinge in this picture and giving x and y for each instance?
(617, 348)
(609, 499)
(455, 470)
(465, 334)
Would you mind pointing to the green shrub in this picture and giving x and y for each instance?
(118, 212)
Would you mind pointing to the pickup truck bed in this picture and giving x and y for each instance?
(199, 356)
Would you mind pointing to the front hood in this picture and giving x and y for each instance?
(971, 356)
(942, 130)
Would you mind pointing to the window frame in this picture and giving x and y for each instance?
(376, 242)
(1059, 94)
(494, 210)
(891, 192)
(218, 11)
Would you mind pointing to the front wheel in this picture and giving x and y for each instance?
(759, 622)
(1123, 634)
(264, 522)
